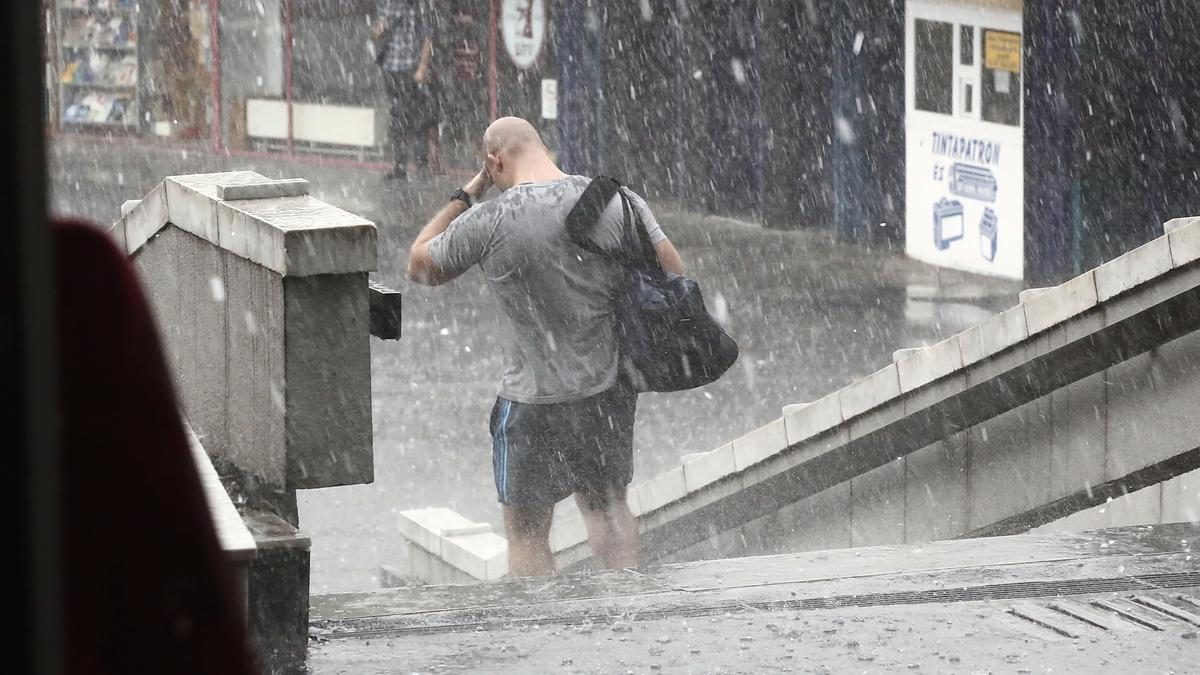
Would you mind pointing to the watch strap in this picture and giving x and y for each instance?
(462, 196)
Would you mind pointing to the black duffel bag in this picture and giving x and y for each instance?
(669, 341)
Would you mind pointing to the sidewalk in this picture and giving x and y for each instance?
(811, 314)
(1109, 601)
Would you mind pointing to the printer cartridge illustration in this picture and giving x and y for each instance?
(948, 222)
(987, 234)
(975, 182)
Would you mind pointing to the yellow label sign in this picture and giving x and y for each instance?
(1002, 51)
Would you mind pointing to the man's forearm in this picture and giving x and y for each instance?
(420, 267)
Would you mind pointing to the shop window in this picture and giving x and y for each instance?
(933, 51)
(1000, 89)
(966, 45)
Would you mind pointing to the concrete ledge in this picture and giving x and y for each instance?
(1055, 305)
(870, 392)
(1179, 223)
(759, 444)
(235, 538)
(661, 490)
(1135, 267)
(271, 222)
(814, 418)
(466, 545)
(709, 467)
(927, 365)
(1185, 241)
(146, 219)
(1003, 331)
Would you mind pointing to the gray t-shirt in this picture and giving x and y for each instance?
(561, 343)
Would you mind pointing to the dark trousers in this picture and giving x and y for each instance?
(413, 110)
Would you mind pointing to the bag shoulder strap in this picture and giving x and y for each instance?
(585, 215)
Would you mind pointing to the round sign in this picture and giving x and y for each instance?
(523, 23)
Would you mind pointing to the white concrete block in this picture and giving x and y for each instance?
(426, 527)
(763, 442)
(146, 219)
(1185, 241)
(1181, 499)
(117, 233)
(483, 556)
(661, 490)
(271, 189)
(812, 419)
(929, 364)
(709, 467)
(633, 501)
(901, 354)
(568, 528)
(869, 392)
(251, 238)
(128, 205)
(1179, 223)
(1031, 293)
(1003, 330)
(1060, 303)
(191, 210)
(1135, 267)
(970, 343)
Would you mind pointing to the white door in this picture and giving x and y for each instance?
(964, 153)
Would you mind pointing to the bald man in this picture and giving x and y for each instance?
(563, 421)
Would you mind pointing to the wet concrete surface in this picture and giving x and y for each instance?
(811, 314)
(1118, 600)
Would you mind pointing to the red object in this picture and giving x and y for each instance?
(147, 587)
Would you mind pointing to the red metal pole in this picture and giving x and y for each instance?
(214, 32)
(493, 95)
(287, 67)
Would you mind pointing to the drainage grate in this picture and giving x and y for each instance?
(1074, 618)
(1024, 589)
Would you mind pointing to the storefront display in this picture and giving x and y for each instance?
(99, 66)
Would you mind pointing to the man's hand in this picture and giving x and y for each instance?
(421, 75)
(478, 186)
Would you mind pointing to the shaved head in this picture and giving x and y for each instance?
(516, 154)
(512, 136)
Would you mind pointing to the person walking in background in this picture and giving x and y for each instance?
(563, 421)
(403, 34)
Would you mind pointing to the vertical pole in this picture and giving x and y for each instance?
(287, 70)
(27, 345)
(493, 94)
(214, 33)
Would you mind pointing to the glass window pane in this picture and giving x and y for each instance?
(966, 45)
(1000, 82)
(933, 51)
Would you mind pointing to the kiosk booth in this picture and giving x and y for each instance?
(964, 183)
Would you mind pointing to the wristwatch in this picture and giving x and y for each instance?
(462, 196)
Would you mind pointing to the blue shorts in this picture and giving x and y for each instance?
(544, 452)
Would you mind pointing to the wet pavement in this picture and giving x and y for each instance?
(811, 315)
(1118, 600)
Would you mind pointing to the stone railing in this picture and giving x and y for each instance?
(993, 430)
(262, 297)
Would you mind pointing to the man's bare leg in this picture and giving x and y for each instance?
(612, 529)
(528, 530)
